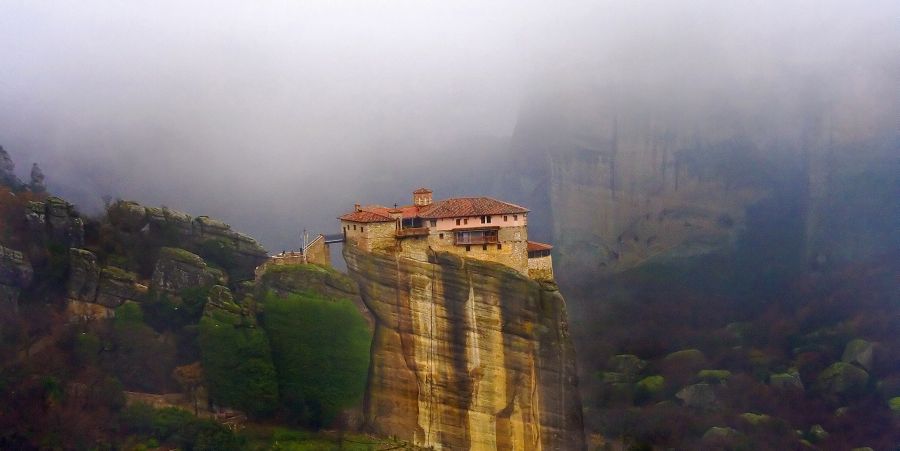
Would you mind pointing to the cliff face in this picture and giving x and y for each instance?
(466, 354)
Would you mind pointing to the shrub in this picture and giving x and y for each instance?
(238, 367)
(321, 351)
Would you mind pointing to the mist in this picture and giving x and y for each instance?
(278, 116)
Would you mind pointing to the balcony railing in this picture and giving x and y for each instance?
(412, 231)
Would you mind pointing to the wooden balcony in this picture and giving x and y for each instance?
(476, 237)
(411, 232)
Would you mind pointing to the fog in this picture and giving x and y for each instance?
(277, 116)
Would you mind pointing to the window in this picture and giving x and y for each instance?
(362, 229)
(488, 219)
(441, 236)
(432, 223)
(515, 217)
(499, 246)
(485, 219)
(505, 218)
(484, 247)
(465, 220)
(468, 248)
(354, 226)
(457, 221)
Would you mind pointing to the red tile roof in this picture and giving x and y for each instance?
(535, 246)
(422, 191)
(468, 206)
(366, 216)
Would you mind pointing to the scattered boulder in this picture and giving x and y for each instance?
(720, 436)
(698, 396)
(685, 360)
(756, 419)
(650, 386)
(894, 404)
(842, 379)
(817, 433)
(859, 352)
(714, 376)
(628, 364)
(84, 275)
(177, 269)
(786, 381)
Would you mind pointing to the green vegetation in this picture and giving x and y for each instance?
(180, 428)
(238, 367)
(321, 351)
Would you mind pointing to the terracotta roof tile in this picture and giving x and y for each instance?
(422, 191)
(536, 246)
(469, 206)
(365, 216)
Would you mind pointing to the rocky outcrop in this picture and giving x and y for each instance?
(56, 220)
(178, 269)
(202, 235)
(15, 274)
(93, 291)
(466, 354)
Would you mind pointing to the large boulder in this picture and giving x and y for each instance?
(786, 381)
(284, 280)
(84, 275)
(842, 379)
(117, 286)
(127, 215)
(859, 352)
(177, 269)
(721, 437)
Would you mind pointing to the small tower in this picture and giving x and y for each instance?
(422, 197)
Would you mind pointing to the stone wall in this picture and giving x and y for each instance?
(541, 268)
(370, 236)
(467, 354)
(512, 252)
(318, 252)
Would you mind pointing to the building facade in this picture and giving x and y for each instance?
(474, 227)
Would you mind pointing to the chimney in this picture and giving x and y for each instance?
(356, 207)
(422, 197)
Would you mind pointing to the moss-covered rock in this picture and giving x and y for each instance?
(859, 352)
(628, 364)
(714, 376)
(786, 381)
(698, 396)
(842, 379)
(178, 269)
(117, 286)
(650, 386)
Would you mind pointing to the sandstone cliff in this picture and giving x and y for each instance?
(466, 354)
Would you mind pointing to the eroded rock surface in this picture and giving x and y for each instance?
(467, 354)
(15, 273)
(178, 269)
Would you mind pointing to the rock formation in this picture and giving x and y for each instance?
(178, 269)
(202, 235)
(466, 354)
(57, 221)
(15, 274)
(94, 292)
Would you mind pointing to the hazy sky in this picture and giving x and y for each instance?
(278, 115)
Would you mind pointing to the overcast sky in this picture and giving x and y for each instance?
(256, 111)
